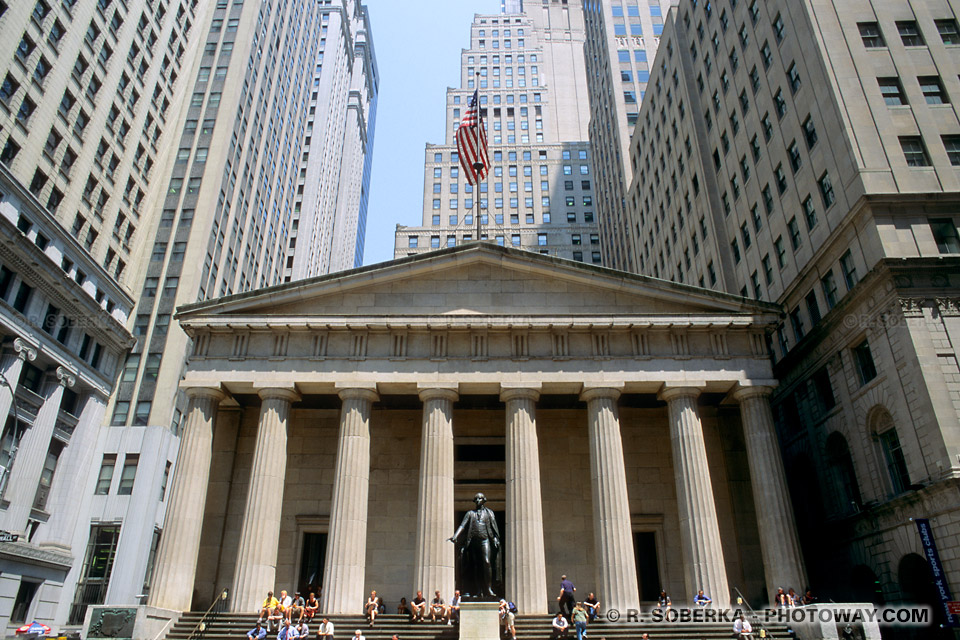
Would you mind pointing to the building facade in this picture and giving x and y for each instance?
(622, 37)
(62, 317)
(345, 422)
(330, 216)
(89, 101)
(529, 70)
(220, 223)
(806, 153)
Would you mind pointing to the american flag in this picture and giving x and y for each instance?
(472, 142)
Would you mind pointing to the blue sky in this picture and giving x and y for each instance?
(418, 45)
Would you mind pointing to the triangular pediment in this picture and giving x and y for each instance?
(482, 280)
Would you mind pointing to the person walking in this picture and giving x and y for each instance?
(566, 598)
(580, 619)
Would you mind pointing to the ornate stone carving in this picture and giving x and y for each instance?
(112, 622)
(911, 307)
(25, 351)
(65, 377)
(948, 306)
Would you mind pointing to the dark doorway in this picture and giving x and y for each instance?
(648, 565)
(501, 517)
(312, 557)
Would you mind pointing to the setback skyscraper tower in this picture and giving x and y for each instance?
(530, 73)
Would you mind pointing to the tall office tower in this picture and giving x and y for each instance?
(530, 73)
(330, 216)
(807, 153)
(89, 96)
(221, 224)
(622, 40)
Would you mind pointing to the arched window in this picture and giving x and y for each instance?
(882, 425)
(840, 464)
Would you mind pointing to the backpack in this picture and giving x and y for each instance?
(512, 607)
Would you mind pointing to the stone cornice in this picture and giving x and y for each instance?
(229, 324)
(27, 553)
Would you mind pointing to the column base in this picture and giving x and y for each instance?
(480, 621)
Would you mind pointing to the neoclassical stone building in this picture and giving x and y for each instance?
(338, 427)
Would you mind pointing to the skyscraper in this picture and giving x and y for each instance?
(807, 154)
(530, 73)
(330, 216)
(89, 97)
(622, 40)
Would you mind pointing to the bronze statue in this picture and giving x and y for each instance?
(478, 557)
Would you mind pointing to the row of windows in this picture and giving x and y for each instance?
(576, 239)
(529, 216)
(909, 32)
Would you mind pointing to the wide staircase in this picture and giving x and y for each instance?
(230, 626)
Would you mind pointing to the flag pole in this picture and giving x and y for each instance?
(477, 166)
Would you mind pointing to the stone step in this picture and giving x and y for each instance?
(234, 626)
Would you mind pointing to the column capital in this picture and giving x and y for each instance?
(610, 390)
(25, 350)
(438, 392)
(368, 393)
(279, 392)
(197, 393)
(686, 390)
(66, 378)
(741, 392)
(510, 392)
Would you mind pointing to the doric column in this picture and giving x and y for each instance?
(256, 567)
(176, 563)
(345, 567)
(434, 554)
(779, 543)
(69, 490)
(699, 530)
(612, 529)
(21, 490)
(526, 569)
(12, 364)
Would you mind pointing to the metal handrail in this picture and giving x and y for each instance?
(218, 606)
(753, 613)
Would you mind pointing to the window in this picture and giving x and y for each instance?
(892, 92)
(810, 132)
(780, 103)
(952, 146)
(849, 270)
(826, 190)
(810, 212)
(141, 416)
(767, 127)
(948, 31)
(120, 412)
(766, 54)
(813, 308)
(130, 368)
(778, 28)
(914, 151)
(829, 285)
(893, 455)
(866, 368)
(106, 474)
(871, 35)
(932, 90)
(128, 474)
(767, 269)
(794, 228)
(910, 33)
(793, 151)
(794, 77)
(945, 234)
(781, 179)
(781, 252)
(796, 321)
(542, 239)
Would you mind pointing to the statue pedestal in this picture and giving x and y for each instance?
(480, 621)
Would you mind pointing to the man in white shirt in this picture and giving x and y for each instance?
(742, 629)
(357, 635)
(560, 626)
(326, 630)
